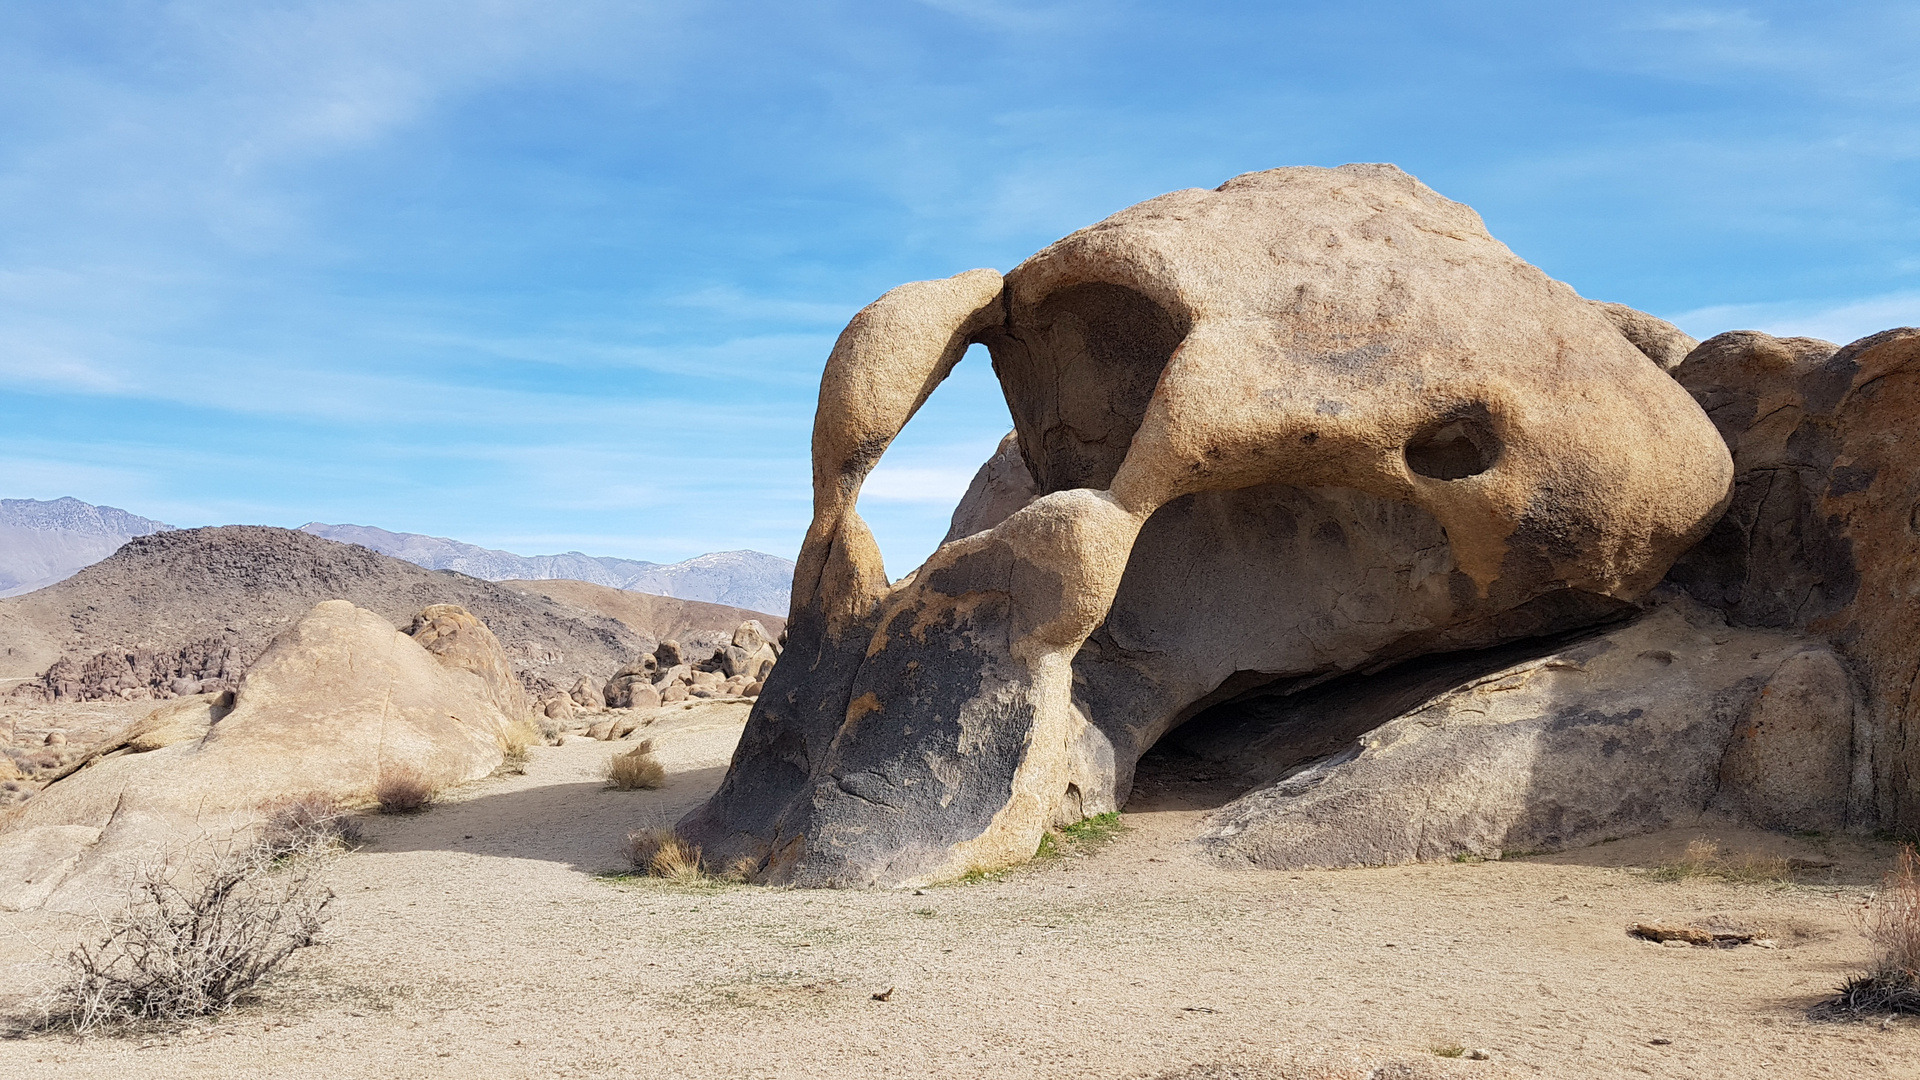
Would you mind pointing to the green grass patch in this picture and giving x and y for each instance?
(1080, 837)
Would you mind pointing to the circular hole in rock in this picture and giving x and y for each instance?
(1454, 449)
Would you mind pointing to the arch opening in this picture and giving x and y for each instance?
(908, 500)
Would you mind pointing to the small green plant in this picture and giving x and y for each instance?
(1468, 857)
(1097, 829)
(1450, 1050)
(1079, 837)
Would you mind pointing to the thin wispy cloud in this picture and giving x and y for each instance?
(1840, 324)
(524, 270)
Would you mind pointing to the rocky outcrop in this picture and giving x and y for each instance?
(334, 701)
(1309, 423)
(1820, 534)
(586, 695)
(751, 654)
(139, 673)
(1661, 341)
(737, 669)
(187, 611)
(1001, 486)
(1658, 724)
(459, 640)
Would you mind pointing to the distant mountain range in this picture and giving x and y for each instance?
(45, 542)
(742, 579)
(42, 542)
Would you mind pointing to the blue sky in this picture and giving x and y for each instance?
(550, 276)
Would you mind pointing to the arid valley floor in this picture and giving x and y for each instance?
(487, 938)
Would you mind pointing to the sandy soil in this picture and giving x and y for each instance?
(478, 941)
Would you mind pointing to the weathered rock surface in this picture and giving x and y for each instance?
(459, 640)
(637, 675)
(586, 695)
(334, 701)
(1334, 367)
(1001, 486)
(750, 655)
(1821, 532)
(1662, 342)
(1645, 727)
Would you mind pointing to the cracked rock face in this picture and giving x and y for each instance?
(1821, 534)
(1311, 422)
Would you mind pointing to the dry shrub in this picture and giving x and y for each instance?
(309, 824)
(192, 942)
(515, 746)
(403, 789)
(1891, 920)
(662, 853)
(1703, 858)
(636, 768)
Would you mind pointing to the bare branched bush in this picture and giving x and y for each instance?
(310, 824)
(637, 768)
(193, 941)
(1891, 920)
(403, 790)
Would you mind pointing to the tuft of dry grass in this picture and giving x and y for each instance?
(1891, 920)
(192, 942)
(310, 824)
(403, 790)
(515, 747)
(662, 853)
(1704, 859)
(637, 768)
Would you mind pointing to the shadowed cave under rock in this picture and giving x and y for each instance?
(1281, 727)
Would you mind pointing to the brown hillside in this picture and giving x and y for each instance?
(693, 623)
(203, 603)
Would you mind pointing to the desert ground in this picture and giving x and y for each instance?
(494, 937)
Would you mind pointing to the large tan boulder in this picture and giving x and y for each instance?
(750, 655)
(1311, 422)
(634, 680)
(586, 695)
(1675, 720)
(334, 701)
(1662, 342)
(460, 640)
